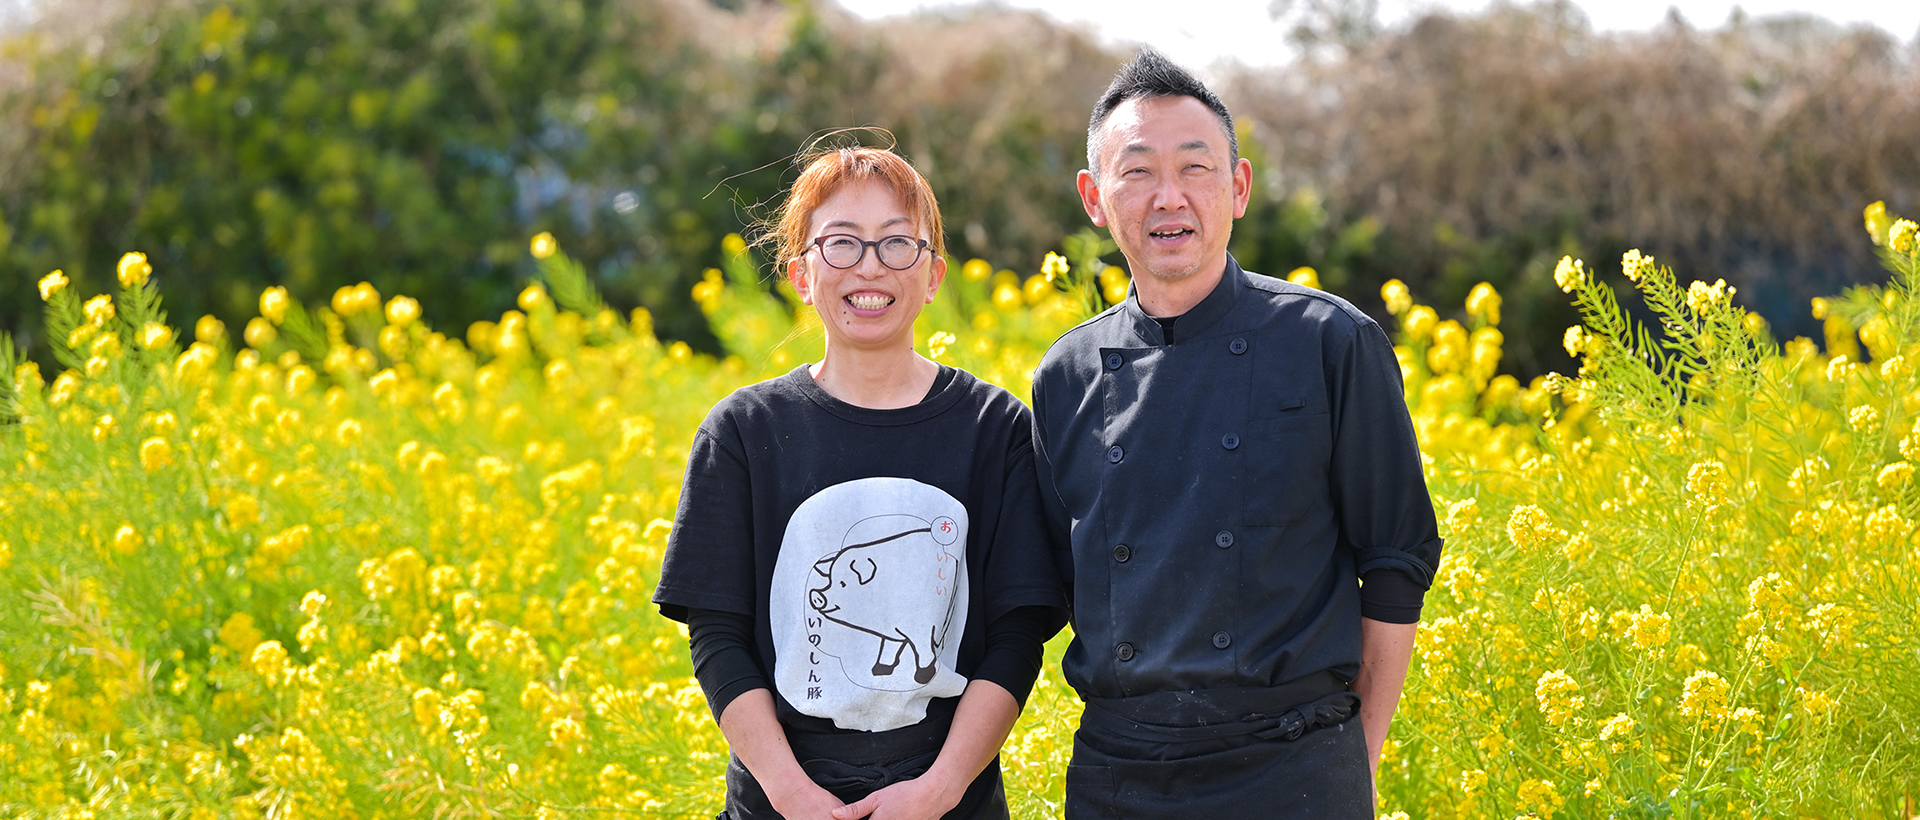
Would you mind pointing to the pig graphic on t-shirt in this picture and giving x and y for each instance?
(893, 578)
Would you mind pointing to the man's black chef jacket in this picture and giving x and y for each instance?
(1225, 483)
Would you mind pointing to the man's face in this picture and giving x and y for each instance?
(1167, 188)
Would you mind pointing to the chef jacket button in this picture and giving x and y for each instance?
(1238, 346)
(1122, 553)
(1114, 361)
(1230, 441)
(1221, 640)
(1124, 652)
(1114, 454)
(1224, 539)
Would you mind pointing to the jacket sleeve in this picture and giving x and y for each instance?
(1379, 489)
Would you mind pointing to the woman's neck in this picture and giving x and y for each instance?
(875, 379)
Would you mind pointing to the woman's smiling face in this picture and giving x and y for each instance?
(868, 305)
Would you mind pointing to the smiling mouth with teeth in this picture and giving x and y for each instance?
(869, 301)
(1171, 234)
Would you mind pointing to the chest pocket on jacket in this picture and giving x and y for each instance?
(1287, 462)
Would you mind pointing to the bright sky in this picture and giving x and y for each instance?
(1197, 32)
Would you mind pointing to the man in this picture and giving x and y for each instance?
(1227, 458)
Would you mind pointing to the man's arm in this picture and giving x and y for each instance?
(1385, 652)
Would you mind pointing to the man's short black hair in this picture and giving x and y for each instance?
(1152, 75)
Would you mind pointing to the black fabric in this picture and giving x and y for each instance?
(1307, 764)
(1015, 643)
(1390, 595)
(851, 767)
(722, 646)
(769, 447)
(1254, 460)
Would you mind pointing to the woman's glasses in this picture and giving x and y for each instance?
(843, 251)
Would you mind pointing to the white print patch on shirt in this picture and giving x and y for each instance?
(869, 603)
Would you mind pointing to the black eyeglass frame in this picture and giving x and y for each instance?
(920, 247)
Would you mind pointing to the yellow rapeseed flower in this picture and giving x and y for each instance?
(1559, 697)
(1893, 476)
(1864, 419)
(209, 330)
(1541, 797)
(134, 270)
(1036, 289)
(155, 454)
(1053, 267)
(1648, 628)
(1878, 222)
(273, 304)
(1305, 277)
(567, 732)
(1569, 273)
(1462, 514)
(731, 244)
(1900, 237)
(1484, 302)
(976, 270)
(1398, 298)
(1886, 526)
(99, 310)
(402, 311)
(107, 346)
(1635, 265)
(544, 246)
(155, 336)
(126, 540)
(239, 634)
(259, 332)
(426, 707)
(1574, 340)
(1704, 696)
(269, 660)
(51, 284)
(1420, 321)
(104, 427)
(1532, 531)
(1616, 730)
(534, 296)
(1702, 297)
(1707, 484)
(1813, 703)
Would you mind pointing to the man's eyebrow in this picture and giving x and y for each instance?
(1143, 148)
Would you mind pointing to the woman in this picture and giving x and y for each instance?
(858, 552)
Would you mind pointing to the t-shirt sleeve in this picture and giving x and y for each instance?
(709, 558)
(1379, 489)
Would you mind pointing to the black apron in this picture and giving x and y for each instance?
(852, 766)
(1222, 753)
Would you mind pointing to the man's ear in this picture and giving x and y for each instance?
(1090, 196)
(1242, 186)
(797, 274)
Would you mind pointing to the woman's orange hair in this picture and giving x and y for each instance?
(832, 170)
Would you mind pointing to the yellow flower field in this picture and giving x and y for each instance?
(345, 566)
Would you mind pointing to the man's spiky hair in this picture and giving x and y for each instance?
(1152, 75)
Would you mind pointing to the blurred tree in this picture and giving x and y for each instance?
(417, 143)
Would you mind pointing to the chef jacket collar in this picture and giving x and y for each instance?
(1198, 319)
